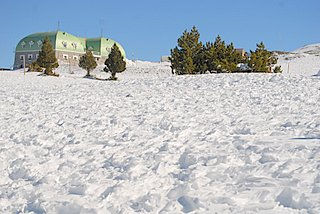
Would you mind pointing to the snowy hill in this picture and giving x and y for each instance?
(156, 143)
(303, 61)
(313, 49)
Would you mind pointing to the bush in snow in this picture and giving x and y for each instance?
(277, 69)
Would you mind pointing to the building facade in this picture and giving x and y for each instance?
(68, 48)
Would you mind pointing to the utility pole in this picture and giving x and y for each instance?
(24, 65)
(70, 71)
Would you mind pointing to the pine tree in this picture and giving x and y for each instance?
(200, 60)
(261, 59)
(115, 62)
(47, 58)
(176, 61)
(210, 56)
(34, 67)
(185, 58)
(188, 65)
(88, 62)
(222, 57)
(233, 58)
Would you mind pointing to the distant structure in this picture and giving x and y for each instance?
(241, 51)
(165, 59)
(68, 48)
(5, 69)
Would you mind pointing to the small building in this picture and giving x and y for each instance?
(68, 48)
(165, 59)
(241, 51)
(5, 69)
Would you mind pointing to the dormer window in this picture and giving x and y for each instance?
(90, 48)
(31, 43)
(65, 44)
(23, 44)
(39, 43)
(74, 45)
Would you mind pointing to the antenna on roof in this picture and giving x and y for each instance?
(101, 22)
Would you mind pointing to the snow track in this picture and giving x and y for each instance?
(239, 143)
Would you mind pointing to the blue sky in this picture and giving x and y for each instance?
(148, 29)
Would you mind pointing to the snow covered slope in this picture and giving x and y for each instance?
(157, 143)
(304, 61)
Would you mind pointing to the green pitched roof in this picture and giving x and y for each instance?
(33, 42)
(63, 41)
(69, 42)
(102, 46)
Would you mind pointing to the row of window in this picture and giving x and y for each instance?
(31, 57)
(31, 43)
(66, 57)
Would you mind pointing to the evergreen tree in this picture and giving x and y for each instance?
(34, 67)
(185, 58)
(115, 62)
(261, 60)
(233, 58)
(210, 56)
(47, 58)
(176, 61)
(87, 62)
(200, 60)
(222, 57)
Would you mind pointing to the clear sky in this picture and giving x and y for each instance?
(148, 29)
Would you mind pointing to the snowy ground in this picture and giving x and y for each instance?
(156, 143)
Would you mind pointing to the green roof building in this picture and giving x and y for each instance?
(68, 48)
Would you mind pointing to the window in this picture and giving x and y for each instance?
(65, 56)
(97, 58)
(39, 43)
(75, 57)
(31, 43)
(30, 56)
(65, 44)
(21, 57)
(23, 44)
(37, 56)
(74, 45)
